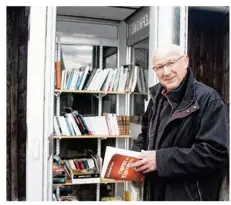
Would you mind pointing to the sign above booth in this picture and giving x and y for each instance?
(139, 24)
(138, 29)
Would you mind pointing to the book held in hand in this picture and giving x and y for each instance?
(115, 165)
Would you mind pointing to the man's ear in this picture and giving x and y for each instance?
(186, 60)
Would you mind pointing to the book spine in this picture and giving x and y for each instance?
(85, 162)
(70, 79)
(80, 126)
(59, 180)
(66, 164)
(58, 74)
(81, 165)
(108, 123)
(76, 164)
(57, 127)
(71, 163)
(87, 130)
(85, 73)
(58, 65)
(81, 73)
(68, 126)
(119, 124)
(123, 124)
(90, 78)
(67, 172)
(127, 125)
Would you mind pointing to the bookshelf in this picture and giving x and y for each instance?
(79, 88)
(99, 96)
(98, 137)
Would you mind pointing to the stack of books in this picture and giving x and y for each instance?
(74, 124)
(126, 78)
(59, 174)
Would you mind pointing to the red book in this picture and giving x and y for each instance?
(116, 165)
(76, 165)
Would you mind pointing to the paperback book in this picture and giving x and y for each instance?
(115, 165)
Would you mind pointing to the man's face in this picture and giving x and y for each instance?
(171, 68)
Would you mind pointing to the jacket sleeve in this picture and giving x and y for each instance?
(209, 152)
(139, 144)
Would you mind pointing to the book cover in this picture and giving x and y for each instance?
(116, 162)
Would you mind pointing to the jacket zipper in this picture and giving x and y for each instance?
(180, 110)
(175, 111)
(149, 134)
(199, 191)
(168, 120)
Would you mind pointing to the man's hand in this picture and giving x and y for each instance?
(147, 162)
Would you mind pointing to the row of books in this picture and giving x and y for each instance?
(77, 170)
(129, 79)
(74, 124)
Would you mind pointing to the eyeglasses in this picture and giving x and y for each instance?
(169, 64)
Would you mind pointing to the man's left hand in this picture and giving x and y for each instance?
(147, 162)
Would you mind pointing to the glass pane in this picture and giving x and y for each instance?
(109, 61)
(76, 56)
(140, 52)
(176, 25)
(109, 101)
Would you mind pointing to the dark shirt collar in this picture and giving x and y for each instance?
(177, 94)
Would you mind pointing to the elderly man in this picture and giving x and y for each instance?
(184, 134)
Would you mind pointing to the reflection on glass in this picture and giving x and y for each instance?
(176, 25)
(109, 61)
(76, 56)
(140, 52)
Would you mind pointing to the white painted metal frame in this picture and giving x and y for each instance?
(68, 40)
(86, 20)
(184, 28)
(39, 84)
(121, 99)
(153, 43)
(49, 103)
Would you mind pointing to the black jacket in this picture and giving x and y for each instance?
(193, 147)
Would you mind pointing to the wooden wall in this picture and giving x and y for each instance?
(208, 49)
(16, 51)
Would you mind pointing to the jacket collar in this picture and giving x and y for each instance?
(189, 94)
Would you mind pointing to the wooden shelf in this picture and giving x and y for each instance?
(108, 181)
(93, 92)
(136, 93)
(103, 181)
(99, 92)
(91, 136)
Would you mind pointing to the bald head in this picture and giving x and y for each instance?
(168, 49)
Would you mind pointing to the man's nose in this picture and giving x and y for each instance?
(167, 71)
